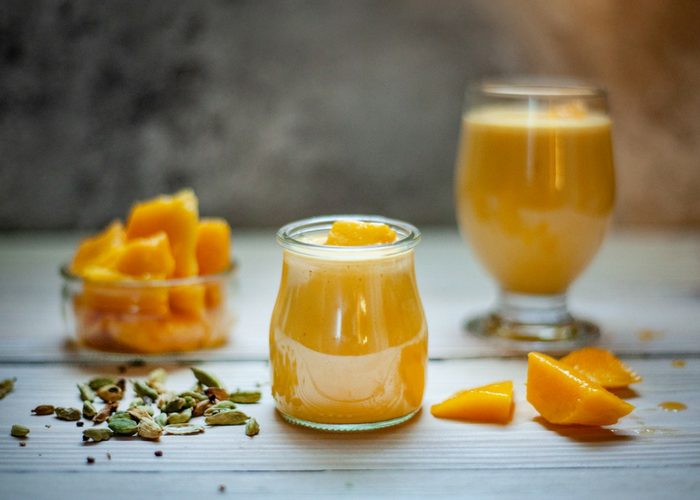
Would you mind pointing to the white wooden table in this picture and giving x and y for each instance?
(644, 289)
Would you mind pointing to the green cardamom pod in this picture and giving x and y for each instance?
(205, 378)
(180, 418)
(149, 429)
(86, 394)
(219, 407)
(89, 410)
(98, 382)
(158, 376)
(122, 426)
(69, 414)
(143, 390)
(6, 387)
(19, 431)
(136, 402)
(97, 434)
(139, 413)
(252, 427)
(43, 410)
(162, 419)
(110, 393)
(182, 429)
(230, 417)
(194, 395)
(174, 405)
(245, 397)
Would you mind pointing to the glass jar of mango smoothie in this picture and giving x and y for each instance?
(348, 337)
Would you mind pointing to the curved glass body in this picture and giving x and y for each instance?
(348, 337)
(535, 190)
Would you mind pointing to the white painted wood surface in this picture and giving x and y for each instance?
(640, 281)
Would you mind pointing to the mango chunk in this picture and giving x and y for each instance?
(100, 249)
(564, 395)
(347, 233)
(175, 215)
(489, 403)
(189, 299)
(146, 258)
(602, 366)
(213, 246)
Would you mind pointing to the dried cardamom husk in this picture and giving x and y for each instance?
(136, 402)
(252, 427)
(182, 429)
(200, 408)
(86, 394)
(139, 413)
(19, 431)
(143, 390)
(97, 434)
(43, 410)
(122, 424)
(6, 387)
(89, 410)
(98, 382)
(162, 419)
(174, 405)
(180, 418)
(105, 412)
(216, 393)
(230, 417)
(149, 429)
(205, 378)
(69, 414)
(245, 397)
(219, 407)
(110, 393)
(156, 380)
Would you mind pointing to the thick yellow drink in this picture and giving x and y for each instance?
(348, 338)
(535, 191)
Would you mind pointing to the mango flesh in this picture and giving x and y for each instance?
(602, 366)
(98, 250)
(491, 403)
(564, 395)
(177, 216)
(213, 248)
(120, 308)
(358, 233)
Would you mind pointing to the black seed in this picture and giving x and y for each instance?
(90, 460)
(109, 456)
(85, 438)
(79, 424)
(158, 453)
(222, 488)
(22, 444)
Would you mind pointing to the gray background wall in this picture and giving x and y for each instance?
(275, 110)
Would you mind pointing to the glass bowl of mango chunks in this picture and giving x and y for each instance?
(155, 285)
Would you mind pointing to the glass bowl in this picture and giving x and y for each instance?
(148, 316)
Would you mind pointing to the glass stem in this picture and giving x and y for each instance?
(533, 309)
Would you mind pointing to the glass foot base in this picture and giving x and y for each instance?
(524, 337)
(369, 426)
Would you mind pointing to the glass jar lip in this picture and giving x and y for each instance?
(288, 236)
(539, 88)
(71, 277)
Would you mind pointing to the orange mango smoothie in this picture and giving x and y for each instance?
(348, 338)
(535, 191)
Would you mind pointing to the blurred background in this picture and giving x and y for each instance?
(276, 110)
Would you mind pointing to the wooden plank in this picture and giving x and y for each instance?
(648, 438)
(640, 281)
(675, 482)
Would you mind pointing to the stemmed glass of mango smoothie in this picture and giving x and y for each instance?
(535, 189)
(348, 337)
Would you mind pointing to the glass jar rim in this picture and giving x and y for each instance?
(539, 88)
(288, 236)
(71, 277)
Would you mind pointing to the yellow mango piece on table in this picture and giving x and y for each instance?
(177, 216)
(146, 258)
(357, 233)
(188, 299)
(489, 403)
(213, 246)
(98, 250)
(564, 395)
(602, 366)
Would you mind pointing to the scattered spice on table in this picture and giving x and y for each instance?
(158, 453)
(90, 460)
